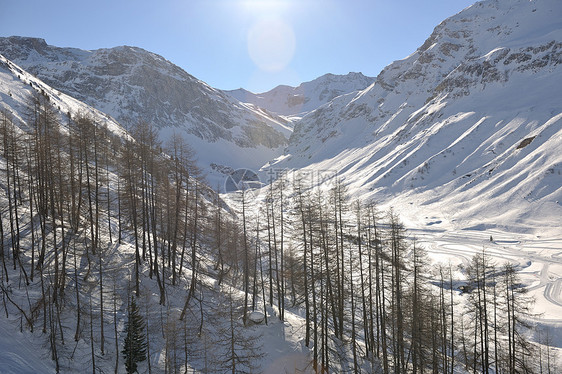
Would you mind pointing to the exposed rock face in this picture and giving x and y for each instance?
(134, 85)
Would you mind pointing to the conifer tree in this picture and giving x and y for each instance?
(134, 350)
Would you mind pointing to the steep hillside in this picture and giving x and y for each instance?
(297, 101)
(133, 85)
(91, 217)
(468, 129)
(17, 85)
(469, 125)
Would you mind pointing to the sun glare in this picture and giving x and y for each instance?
(265, 7)
(271, 39)
(271, 44)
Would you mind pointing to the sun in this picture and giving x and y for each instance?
(270, 39)
(265, 7)
(271, 44)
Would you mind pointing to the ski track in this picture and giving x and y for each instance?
(552, 291)
(538, 260)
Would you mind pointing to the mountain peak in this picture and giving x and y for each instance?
(442, 127)
(7, 44)
(308, 96)
(27, 40)
(133, 85)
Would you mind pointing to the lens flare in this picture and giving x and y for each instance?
(266, 7)
(271, 44)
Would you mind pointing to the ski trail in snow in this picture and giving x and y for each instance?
(538, 261)
(552, 292)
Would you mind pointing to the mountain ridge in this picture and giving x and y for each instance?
(440, 128)
(294, 102)
(18, 86)
(134, 85)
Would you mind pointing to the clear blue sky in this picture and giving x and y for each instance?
(254, 44)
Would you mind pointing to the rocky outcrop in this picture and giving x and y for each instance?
(133, 85)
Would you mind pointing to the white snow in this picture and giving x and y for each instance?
(438, 130)
(294, 102)
(19, 354)
(437, 137)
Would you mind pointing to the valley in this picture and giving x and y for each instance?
(407, 222)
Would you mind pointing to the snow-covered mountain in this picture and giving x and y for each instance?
(297, 101)
(467, 129)
(469, 125)
(132, 85)
(25, 99)
(17, 86)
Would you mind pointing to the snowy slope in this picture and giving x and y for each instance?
(16, 86)
(469, 131)
(133, 85)
(19, 354)
(469, 125)
(297, 101)
(28, 351)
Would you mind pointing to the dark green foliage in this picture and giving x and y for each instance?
(134, 349)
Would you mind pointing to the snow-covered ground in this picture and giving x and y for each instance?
(439, 137)
(538, 260)
(469, 125)
(20, 353)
